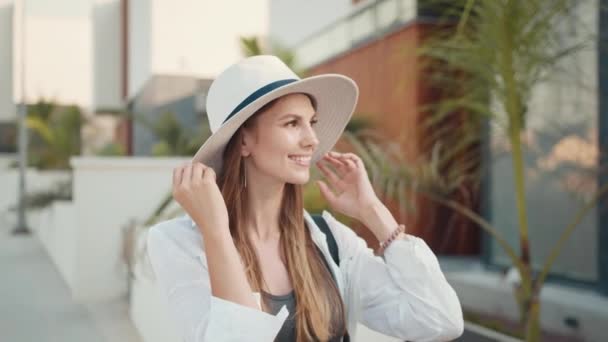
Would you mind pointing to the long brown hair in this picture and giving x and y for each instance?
(320, 309)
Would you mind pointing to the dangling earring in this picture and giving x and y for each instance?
(244, 173)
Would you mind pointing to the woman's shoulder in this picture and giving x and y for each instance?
(176, 233)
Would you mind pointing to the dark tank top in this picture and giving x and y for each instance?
(288, 330)
(275, 303)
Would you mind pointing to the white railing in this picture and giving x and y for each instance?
(367, 23)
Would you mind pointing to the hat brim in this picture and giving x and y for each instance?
(336, 96)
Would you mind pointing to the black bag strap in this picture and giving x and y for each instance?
(333, 249)
(331, 241)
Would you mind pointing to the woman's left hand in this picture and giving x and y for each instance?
(351, 191)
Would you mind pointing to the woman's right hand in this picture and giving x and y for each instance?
(196, 190)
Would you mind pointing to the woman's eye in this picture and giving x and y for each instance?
(295, 122)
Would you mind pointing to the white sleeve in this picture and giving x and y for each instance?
(200, 315)
(404, 295)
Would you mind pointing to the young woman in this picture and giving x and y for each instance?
(248, 263)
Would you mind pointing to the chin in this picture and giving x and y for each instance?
(298, 180)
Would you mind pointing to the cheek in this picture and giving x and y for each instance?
(281, 141)
(274, 147)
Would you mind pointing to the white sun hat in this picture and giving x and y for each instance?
(246, 86)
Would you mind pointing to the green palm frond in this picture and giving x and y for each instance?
(42, 109)
(252, 46)
(56, 134)
(38, 125)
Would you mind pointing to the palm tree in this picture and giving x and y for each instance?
(57, 134)
(486, 61)
(55, 139)
(174, 138)
(253, 46)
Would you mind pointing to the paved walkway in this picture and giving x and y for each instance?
(36, 304)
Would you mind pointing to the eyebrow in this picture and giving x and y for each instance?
(290, 115)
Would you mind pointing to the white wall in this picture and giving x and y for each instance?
(58, 55)
(35, 181)
(7, 108)
(56, 230)
(139, 36)
(106, 40)
(58, 62)
(72, 52)
(107, 193)
(6, 159)
(190, 37)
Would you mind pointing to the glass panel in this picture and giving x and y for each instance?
(561, 170)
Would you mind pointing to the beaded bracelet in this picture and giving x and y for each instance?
(392, 237)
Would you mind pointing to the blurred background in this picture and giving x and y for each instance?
(483, 126)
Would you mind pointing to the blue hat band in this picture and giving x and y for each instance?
(259, 93)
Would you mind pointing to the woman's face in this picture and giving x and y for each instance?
(281, 141)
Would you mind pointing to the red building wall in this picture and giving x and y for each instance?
(392, 92)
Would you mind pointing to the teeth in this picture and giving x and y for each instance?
(300, 159)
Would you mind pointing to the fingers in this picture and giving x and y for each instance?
(191, 173)
(345, 162)
(334, 180)
(209, 174)
(197, 173)
(177, 175)
(354, 158)
(339, 164)
(351, 164)
(186, 175)
(327, 192)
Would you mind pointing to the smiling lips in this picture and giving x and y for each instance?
(302, 160)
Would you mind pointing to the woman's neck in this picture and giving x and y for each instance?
(264, 209)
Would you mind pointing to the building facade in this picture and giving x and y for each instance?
(374, 42)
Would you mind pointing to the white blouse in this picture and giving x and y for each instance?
(404, 294)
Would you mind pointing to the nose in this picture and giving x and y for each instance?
(309, 138)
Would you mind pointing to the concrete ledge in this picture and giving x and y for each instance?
(482, 332)
(117, 163)
(491, 292)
